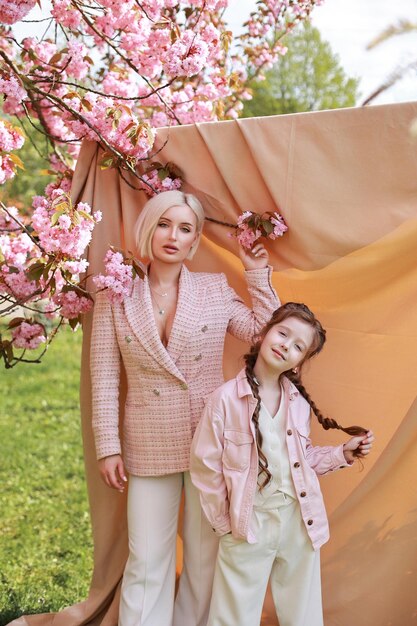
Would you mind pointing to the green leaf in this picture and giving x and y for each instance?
(56, 216)
(267, 227)
(74, 322)
(85, 215)
(7, 347)
(35, 271)
(162, 174)
(16, 321)
(16, 160)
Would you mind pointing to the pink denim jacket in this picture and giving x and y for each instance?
(224, 460)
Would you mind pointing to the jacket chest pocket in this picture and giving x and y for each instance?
(304, 441)
(237, 450)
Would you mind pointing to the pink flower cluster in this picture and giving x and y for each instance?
(13, 92)
(272, 16)
(12, 11)
(63, 229)
(10, 139)
(187, 56)
(66, 14)
(28, 335)
(251, 226)
(280, 226)
(129, 135)
(118, 279)
(156, 185)
(16, 250)
(72, 303)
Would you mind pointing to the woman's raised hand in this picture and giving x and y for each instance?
(362, 445)
(255, 259)
(112, 472)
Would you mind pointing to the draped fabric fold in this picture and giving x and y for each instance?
(346, 183)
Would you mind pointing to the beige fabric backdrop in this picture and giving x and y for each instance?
(346, 182)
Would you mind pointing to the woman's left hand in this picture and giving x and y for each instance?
(362, 445)
(255, 259)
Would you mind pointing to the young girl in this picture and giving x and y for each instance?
(256, 470)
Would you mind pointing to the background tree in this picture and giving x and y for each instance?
(33, 179)
(308, 78)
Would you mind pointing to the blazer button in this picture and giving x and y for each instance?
(204, 329)
(198, 357)
(156, 392)
(128, 339)
(303, 494)
(310, 522)
(184, 386)
(296, 464)
(289, 432)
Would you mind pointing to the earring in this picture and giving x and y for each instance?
(294, 370)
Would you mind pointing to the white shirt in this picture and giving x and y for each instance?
(274, 448)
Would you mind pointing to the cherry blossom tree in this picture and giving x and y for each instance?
(112, 72)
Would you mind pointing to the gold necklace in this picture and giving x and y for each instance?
(163, 295)
(161, 311)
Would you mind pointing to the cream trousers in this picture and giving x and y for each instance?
(284, 554)
(148, 587)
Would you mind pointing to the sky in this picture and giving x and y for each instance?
(348, 25)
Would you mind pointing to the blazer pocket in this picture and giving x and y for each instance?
(237, 450)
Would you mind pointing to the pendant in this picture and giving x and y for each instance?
(161, 311)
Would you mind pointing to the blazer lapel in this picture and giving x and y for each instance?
(140, 316)
(190, 306)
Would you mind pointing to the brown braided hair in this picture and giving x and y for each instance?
(303, 313)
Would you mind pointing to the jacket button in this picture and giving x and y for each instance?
(184, 386)
(289, 432)
(310, 522)
(204, 329)
(128, 338)
(156, 392)
(198, 357)
(303, 494)
(296, 464)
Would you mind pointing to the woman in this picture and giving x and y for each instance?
(169, 334)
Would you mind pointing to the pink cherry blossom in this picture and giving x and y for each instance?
(118, 279)
(12, 11)
(279, 226)
(72, 304)
(247, 237)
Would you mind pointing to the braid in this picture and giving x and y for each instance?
(250, 360)
(326, 422)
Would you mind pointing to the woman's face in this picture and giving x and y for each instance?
(174, 235)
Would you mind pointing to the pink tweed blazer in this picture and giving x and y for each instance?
(166, 387)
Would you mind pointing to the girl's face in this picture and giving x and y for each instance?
(174, 235)
(286, 344)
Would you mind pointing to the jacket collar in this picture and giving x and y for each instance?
(139, 312)
(243, 387)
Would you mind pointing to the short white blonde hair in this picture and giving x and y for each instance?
(153, 210)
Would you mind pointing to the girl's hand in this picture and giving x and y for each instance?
(362, 444)
(255, 259)
(112, 472)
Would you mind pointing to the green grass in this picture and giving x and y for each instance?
(45, 537)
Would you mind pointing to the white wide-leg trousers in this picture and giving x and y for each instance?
(284, 554)
(148, 588)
